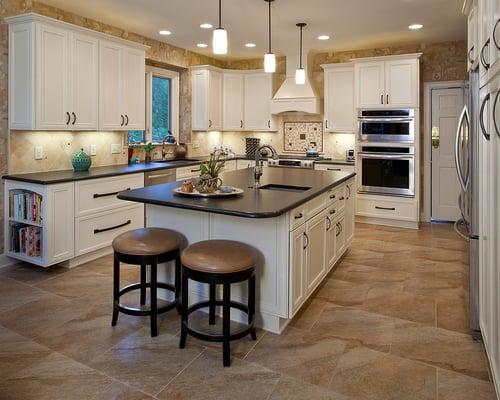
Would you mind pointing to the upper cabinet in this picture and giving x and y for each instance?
(206, 99)
(60, 74)
(472, 37)
(340, 110)
(387, 82)
(231, 100)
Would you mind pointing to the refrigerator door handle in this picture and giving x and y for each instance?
(464, 117)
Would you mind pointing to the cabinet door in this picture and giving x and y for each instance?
(340, 235)
(316, 250)
(215, 101)
(111, 86)
(233, 89)
(494, 25)
(349, 212)
(339, 100)
(401, 83)
(331, 238)
(199, 100)
(483, 40)
(258, 95)
(52, 78)
(297, 269)
(369, 84)
(84, 82)
(472, 34)
(60, 233)
(134, 89)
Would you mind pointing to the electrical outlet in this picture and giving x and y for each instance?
(93, 149)
(38, 152)
(196, 144)
(116, 148)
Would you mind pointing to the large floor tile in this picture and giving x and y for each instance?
(367, 374)
(309, 314)
(146, 363)
(31, 274)
(14, 293)
(452, 314)
(343, 292)
(298, 353)
(206, 379)
(289, 388)
(442, 348)
(453, 386)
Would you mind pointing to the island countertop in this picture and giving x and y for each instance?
(253, 203)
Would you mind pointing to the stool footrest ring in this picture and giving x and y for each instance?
(139, 311)
(203, 304)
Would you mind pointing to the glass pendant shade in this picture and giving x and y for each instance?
(219, 41)
(300, 76)
(269, 63)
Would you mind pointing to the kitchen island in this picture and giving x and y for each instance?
(301, 222)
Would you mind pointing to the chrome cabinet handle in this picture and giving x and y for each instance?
(464, 117)
(481, 117)
(298, 216)
(98, 195)
(307, 241)
(469, 55)
(112, 227)
(495, 122)
(122, 120)
(386, 208)
(486, 65)
(74, 118)
(497, 45)
(158, 176)
(329, 224)
(69, 118)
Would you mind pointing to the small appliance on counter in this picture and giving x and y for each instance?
(312, 151)
(349, 155)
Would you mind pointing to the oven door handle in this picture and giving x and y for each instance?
(464, 118)
(364, 119)
(387, 156)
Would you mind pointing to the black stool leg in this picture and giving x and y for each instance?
(154, 300)
(143, 284)
(116, 288)
(178, 284)
(251, 305)
(184, 306)
(226, 320)
(211, 308)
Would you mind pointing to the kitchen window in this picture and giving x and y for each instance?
(162, 107)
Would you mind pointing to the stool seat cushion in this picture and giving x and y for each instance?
(219, 256)
(147, 242)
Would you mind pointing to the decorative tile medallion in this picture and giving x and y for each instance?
(298, 136)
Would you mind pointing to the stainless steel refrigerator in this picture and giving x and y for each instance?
(467, 163)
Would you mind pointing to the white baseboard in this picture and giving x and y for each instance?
(387, 222)
(7, 261)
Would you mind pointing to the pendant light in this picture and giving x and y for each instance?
(269, 57)
(219, 40)
(300, 73)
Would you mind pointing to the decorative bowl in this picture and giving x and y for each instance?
(81, 161)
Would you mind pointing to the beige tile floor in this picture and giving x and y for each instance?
(390, 322)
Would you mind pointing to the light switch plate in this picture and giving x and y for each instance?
(93, 149)
(116, 148)
(196, 144)
(38, 152)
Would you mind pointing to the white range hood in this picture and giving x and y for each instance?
(291, 97)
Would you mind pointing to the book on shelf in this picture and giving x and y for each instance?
(25, 206)
(26, 239)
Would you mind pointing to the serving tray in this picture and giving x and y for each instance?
(218, 193)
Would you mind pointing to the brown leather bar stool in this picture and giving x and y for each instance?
(219, 262)
(146, 246)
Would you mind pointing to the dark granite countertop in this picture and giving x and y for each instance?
(68, 175)
(254, 203)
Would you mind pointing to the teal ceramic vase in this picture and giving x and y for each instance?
(81, 161)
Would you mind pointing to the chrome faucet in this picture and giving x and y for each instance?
(259, 163)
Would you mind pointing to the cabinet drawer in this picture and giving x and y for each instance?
(334, 167)
(302, 213)
(297, 217)
(98, 231)
(337, 194)
(187, 172)
(97, 195)
(400, 209)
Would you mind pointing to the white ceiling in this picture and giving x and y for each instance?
(351, 24)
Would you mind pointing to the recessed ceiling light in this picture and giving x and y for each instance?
(414, 27)
(165, 32)
(206, 25)
(323, 37)
(249, 44)
(202, 45)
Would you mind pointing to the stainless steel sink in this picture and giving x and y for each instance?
(284, 188)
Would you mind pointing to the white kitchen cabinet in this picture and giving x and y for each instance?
(472, 37)
(233, 99)
(340, 234)
(206, 99)
(59, 75)
(258, 96)
(316, 250)
(387, 82)
(494, 25)
(122, 94)
(339, 110)
(350, 209)
(297, 269)
(331, 236)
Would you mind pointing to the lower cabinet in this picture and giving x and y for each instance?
(298, 262)
(315, 249)
(350, 210)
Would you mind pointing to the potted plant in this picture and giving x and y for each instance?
(148, 149)
(209, 180)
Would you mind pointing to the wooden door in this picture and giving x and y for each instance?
(258, 95)
(84, 68)
(297, 269)
(233, 108)
(215, 100)
(340, 111)
(134, 89)
(52, 63)
(316, 250)
(111, 86)
(447, 105)
(401, 83)
(369, 84)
